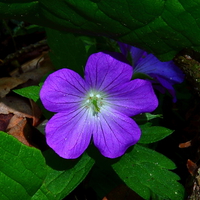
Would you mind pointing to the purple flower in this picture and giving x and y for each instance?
(165, 73)
(98, 107)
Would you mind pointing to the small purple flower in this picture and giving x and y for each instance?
(98, 107)
(165, 73)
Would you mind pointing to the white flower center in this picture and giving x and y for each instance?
(94, 102)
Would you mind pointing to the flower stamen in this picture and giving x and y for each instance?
(94, 102)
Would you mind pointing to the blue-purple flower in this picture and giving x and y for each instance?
(97, 107)
(165, 73)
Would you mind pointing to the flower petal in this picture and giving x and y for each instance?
(103, 71)
(62, 90)
(69, 134)
(124, 48)
(115, 133)
(166, 84)
(137, 55)
(152, 66)
(133, 98)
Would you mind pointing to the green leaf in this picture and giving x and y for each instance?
(15, 7)
(63, 175)
(43, 194)
(150, 116)
(145, 117)
(152, 134)
(145, 172)
(160, 27)
(25, 175)
(22, 168)
(31, 92)
(67, 51)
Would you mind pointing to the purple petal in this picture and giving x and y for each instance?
(62, 90)
(69, 134)
(166, 84)
(124, 48)
(133, 98)
(137, 55)
(152, 66)
(104, 72)
(115, 133)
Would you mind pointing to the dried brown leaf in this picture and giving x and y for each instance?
(8, 83)
(185, 144)
(21, 107)
(19, 128)
(34, 70)
(36, 112)
(192, 167)
(4, 121)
